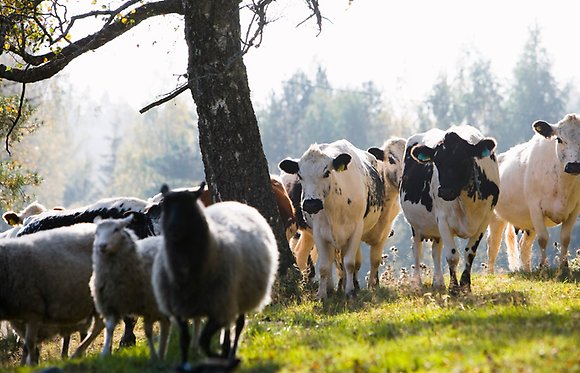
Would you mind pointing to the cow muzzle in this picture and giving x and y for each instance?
(447, 194)
(572, 168)
(312, 206)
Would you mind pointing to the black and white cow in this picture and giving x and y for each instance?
(449, 187)
(344, 202)
(540, 186)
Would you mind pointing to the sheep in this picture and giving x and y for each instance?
(106, 208)
(116, 253)
(51, 271)
(210, 257)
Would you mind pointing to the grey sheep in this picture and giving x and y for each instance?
(44, 279)
(121, 280)
(218, 262)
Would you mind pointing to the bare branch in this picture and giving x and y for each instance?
(168, 97)
(15, 121)
(49, 64)
(315, 9)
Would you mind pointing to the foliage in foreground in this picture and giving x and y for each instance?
(518, 322)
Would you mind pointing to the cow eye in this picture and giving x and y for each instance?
(559, 140)
(326, 174)
(392, 159)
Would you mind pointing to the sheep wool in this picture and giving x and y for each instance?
(44, 280)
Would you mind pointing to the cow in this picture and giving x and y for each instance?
(449, 187)
(540, 188)
(344, 200)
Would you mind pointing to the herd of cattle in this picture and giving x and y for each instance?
(447, 184)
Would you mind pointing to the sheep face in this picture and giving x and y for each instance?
(182, 217)
(109, 234)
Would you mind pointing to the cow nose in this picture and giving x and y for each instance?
(447, 194)
(312, 206)
(572, 168)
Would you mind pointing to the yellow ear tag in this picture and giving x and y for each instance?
(12, 220)
(341, 168)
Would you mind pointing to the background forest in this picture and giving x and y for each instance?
(70, 156)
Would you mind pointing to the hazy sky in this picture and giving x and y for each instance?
(400, 45)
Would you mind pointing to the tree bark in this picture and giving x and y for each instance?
(233, 156)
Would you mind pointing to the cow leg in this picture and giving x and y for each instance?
(164, 329)
(511, 242)
(376, 258)
(526, 243)
(65, 347)
(302, 252)
(565, 232)
(325, 262)
(470, 251)
(349, 260)
(184, 343)
(418, 254)
(452, 256)
(358, 265)
(496, 228)
(438, 282)
(542, 232)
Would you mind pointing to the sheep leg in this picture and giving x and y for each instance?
(30, 343)
(240, 322)
(110, 323)
(196, 334)
(226, 343)
(128, 339)
(211, 327)
(164, 326)
(96, 330)
(183, 343)
(148, 328)
(65, 346)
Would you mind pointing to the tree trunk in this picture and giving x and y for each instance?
(233, 156)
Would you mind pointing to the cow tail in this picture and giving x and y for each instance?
(514, 260)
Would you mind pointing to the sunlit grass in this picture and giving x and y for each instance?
(517, 322)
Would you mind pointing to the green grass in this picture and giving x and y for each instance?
(520, 322)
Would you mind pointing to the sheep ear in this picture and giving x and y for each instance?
(97, 219)
(199, 190)
(128, 219)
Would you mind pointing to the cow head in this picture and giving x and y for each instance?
(453, 158)
(314, 171)
(391, 154)
(567, 135)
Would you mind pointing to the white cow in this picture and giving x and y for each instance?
(344, 201)
(540, 188)
(448, 189)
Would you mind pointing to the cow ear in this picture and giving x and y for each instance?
(11, 218)
(164, 189)
(422, 153)
(544, 128)
(290, 166)
(484, 148)
(377, 153)
(97, 219)
(339, 163)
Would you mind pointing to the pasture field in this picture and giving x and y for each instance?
(523, 322)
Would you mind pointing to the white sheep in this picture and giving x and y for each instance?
(218, 262)
(121, 280)
(44, 279)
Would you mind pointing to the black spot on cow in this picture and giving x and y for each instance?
(142, 226)
(416, 181)
(348, 201)
(376, 189)
(481, 187)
